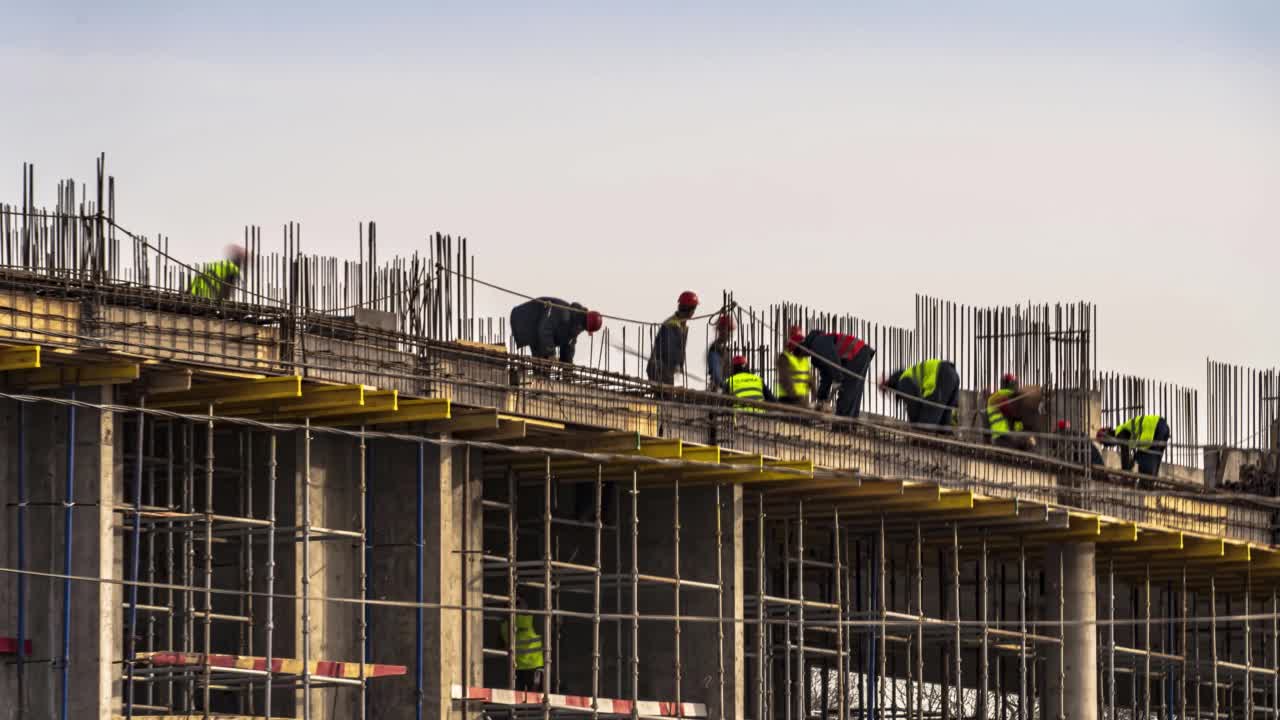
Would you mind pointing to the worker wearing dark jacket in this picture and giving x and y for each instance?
(720, 352)
(1143, 439)
(931, 390)
(844, 359)
(549, 324)
(667, 357)
(743, 383)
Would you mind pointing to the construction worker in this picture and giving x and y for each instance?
(1004, 418)
(667, 357)
(744, 384)
(1069, 446)
(548, 324)
(844, 359)
(795, 370)
(528, 649)
(217, 280)
(1143, 439)
(720, 352)
(931, 390)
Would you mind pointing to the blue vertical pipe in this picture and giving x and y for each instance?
(22, 550)
(417, 653)
(134, 563)
(69, 491)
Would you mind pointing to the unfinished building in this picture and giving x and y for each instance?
(325, 497)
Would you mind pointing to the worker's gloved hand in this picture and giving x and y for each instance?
(1031, 442)
(537, 680)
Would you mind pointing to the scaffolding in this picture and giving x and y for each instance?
(284, 510)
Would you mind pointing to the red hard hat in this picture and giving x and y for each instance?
(236, 253)
(595, 321)
(795, 334)
(739, 361)
(1064, 425)
(1102, 434)
(1008, 379)
(724, 322)
(688, 298)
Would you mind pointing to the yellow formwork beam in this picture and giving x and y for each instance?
(322, 398)
(1150, 541)
(20, 357)
(654, 448)
(414, 410)
(945, 501)
(63, 375)
(701, 453)
(467, 420)
(785, 471)
(1118, 532)
(813, 486)
(865, 495)
(238, 392)
(1080, 526)
(375, 402)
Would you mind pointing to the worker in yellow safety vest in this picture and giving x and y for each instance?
(217, 280)
(795, 370)
(930, 390)
(528, 649)
(1002, 417)
(1143, 439)
(744, 384)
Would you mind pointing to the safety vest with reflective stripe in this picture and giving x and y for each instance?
(996, 420)
(1142, 430)
(528, 643)
(924, 375)
(209, 282)
(748, 386)
(801, 373)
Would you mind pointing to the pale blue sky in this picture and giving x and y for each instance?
(844, 155)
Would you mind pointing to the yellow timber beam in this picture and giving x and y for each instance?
(316, 401)
(20, 357)
(506, 430)
(1117, 532)
(239, 392)
(1150, 541)
(813, 486)
(654, 448)
(785, 471)
(62, 375)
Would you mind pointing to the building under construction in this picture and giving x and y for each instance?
(325, 496)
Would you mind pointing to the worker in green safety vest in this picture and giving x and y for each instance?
(1002, 417)
(744, 384)
(1142, 439)
(217, 280)
(528, 649)
(930, 390)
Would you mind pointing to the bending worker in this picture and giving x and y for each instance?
(217, 280)
(528, 649)
(547, 325)
(744, 384)
(930, 389)
(720, 352)
(1004, 417)
(844, 359)
(667, 356)
(1143, 439)
(795, 370)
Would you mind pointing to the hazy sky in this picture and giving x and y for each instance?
(845, 154)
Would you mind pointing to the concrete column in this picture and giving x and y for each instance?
(393, 575)
(1078, 685)
(333, 503)
(96, 644)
